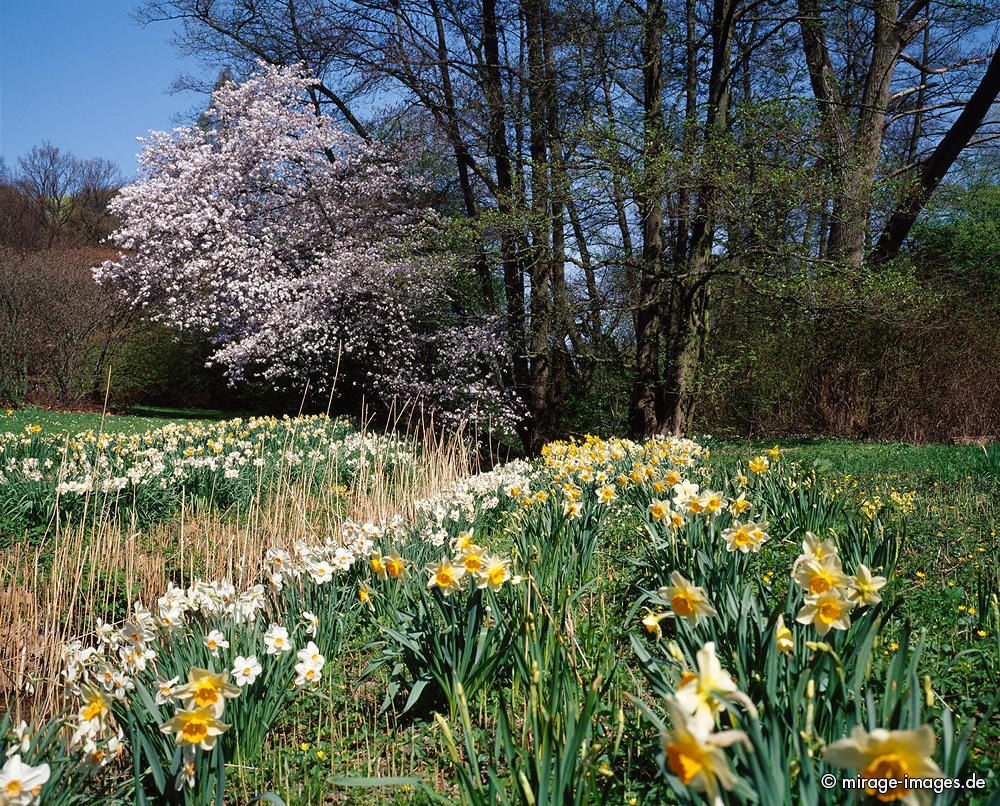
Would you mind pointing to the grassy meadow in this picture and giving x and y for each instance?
(381, 620)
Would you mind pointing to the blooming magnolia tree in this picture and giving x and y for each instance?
(301, 251)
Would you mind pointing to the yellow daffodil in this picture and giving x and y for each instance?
(885, 754)
(659, 510)
(205, 689)
(783, 636)
(739, 537)
(701, 691)
(651, 622)
(815, 549)
(198, 727)
(865, 587)
(606, 494)
(493, 573)
(686, 600)
(471, 559)
(445, 576)
(394, 565)
(693, 753)
(463, 541)
(820, 576)
(759, 465)
(827, 611)
(739, 505)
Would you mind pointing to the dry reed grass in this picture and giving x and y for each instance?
(55, 591)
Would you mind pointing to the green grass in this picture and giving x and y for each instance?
(72, 422)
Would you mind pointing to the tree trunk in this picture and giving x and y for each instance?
(934, 169)
(644, 417)
(540, 266)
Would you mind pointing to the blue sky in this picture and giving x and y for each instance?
(83, 75)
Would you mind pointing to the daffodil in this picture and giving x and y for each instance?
(820, 576)
(693, 753)
(702, 691)
(246, 670)
(572, 509)
(494, 572)
(276, 640)
(197, 727)
(783, 636)
(827, 611)
(712, 502)
(471, 558)
(445, 576)
(815, 549)
(885, 754)
(659, 510)
(740, 537)
(606, 494)
(759, 465)
(20, 783)
(739, 505)
(651, 622)
(686, 600)
(464, 540)
(394, 565)
(205, 689)
(864, 589)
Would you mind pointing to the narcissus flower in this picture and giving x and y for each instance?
(651, 622)
(394, 565)
(701, 691)
(205, 689)
(20, 783)
(820, 576)
(783, 636)
(464, 540)
(740, 537)
(865, 587)
(215, 641)
(96, 707)
(471, 558)
(686, 600)
(739, 505)
(712, 502)
(759, 465)
(606, 494)
(815, 549)
(494, 572)
(884, 754)
(445, 576)
(198, 727)
(276, 640)
(572, 509)
(659, 510)
(828, 611)
(309, 669)
(246, 670)
(694, 754)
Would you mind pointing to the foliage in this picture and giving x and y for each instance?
(302, 252)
